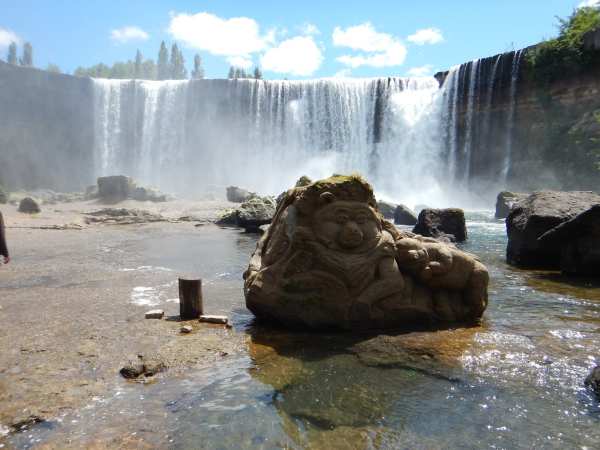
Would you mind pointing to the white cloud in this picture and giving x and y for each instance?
(426, 36)
(383, 50)
(127, 34)
(7, 36)
(235, 37)
(421, 71)
(309, 29)
(240, 61)
(589, 4)
(299, 56)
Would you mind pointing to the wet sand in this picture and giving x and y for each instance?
(69, 319)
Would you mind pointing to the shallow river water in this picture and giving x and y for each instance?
(514, 382)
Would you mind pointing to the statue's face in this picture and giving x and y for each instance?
(347, 225)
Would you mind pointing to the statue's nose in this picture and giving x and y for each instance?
(353, 228)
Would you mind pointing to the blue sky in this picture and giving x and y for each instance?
(301, 39)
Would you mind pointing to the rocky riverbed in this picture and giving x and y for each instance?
(72, 314)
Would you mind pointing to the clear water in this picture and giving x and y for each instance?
(515, 382)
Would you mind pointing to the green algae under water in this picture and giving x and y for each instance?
(514, 382)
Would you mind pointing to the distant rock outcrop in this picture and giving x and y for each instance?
(238, 195)
(116, 188)
(386, 209)
(535, 215)
(446, 223)
(250, 215)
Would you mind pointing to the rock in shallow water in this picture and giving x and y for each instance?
(404, 216)
(29, 206)
(329, 260)
(386, 209)
(442, 223)
(155, 314)
(533, 216)
(238, 195)
(593, 380)
(506, 201)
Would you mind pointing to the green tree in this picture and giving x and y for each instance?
(231, 74)
(149, 71)
(162, 66)
(27, 59)
(53, 68)
(11, 57)
(139, 60)
(198, 72)
(564, 55)
(177, 64)
(257, 73)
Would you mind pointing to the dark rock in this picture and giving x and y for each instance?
(228, 218)
(29, 206)
(142, 367)
(386, 209)
(579, 242)
(114, 188)
(3, 196)
(593, 380)
(535, 215)
(441, 223)
(238, 195)
(404, 216)
(25, 423)
(256, 212)
(505, 202)
(419, 208)
(132, 370)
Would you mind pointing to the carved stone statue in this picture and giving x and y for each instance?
(329, 259)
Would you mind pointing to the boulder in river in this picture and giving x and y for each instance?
(505, 202)
(404, 216)
(329, 260)
(29, 206)
(442, 223)
(535, 215)
(144, 194)
(238, 195)
(256, 212)
(579, 243)
(386, 209)
(114, 188)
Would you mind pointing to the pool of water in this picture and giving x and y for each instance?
(514, 382)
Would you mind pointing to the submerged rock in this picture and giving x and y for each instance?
(506, 201)
(29, 206)
(143, 194)
(404, 216)
(155, 314)
(579, 243)
(123, 216)
(441, 223)
(329, 260)
(386, 209)
(535, 215)
(238, 195)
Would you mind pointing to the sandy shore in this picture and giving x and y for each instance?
(67, 319)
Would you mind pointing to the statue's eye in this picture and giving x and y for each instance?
(361, 219)
(342, 218)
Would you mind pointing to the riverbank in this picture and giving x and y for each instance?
(73, 303)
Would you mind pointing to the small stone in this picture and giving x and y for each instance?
(132, 370)
(186, 329)
(155, 314)
(214, 319)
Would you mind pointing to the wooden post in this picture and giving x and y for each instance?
(190, 299)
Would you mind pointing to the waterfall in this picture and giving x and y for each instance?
(470, 122)
(510, 122)
(193, 136)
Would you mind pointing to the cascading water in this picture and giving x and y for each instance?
(510, 123)
(186, 136)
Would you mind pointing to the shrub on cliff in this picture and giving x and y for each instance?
(565, 55)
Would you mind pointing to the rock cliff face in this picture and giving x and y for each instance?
(526, 134)
(46, 129)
